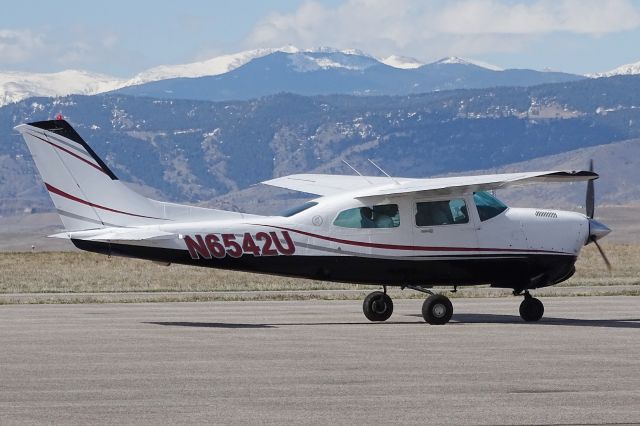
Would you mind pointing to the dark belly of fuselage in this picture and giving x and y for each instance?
(518, 271)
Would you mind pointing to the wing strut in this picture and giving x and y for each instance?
(354, 169)
(385, 173)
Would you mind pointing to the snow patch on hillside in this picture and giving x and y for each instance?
(466, 61)
(314, 61)
(403, 62)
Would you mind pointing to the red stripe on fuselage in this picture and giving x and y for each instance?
(95, 166)
(68, 196)
(409, 247)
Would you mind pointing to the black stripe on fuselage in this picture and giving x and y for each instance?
(515, 272)
(64, 129)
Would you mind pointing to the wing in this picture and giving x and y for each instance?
(327, 184)
(465, 184)
(375, 186)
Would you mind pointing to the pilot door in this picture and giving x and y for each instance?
(442, 225)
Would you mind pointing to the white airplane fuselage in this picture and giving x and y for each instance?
(519, 248)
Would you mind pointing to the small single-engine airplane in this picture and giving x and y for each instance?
(411, 233)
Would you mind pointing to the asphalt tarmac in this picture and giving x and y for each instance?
(320, 362)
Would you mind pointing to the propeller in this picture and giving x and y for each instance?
(590, 202)
(596, 229)
(604, 256)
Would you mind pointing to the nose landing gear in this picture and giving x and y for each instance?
(531, 309)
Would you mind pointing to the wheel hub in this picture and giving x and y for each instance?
(439, 310)
(379, 307)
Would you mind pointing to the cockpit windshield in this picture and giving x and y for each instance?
(488, 206)
(297, 209)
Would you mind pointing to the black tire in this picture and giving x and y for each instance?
(377, 306)
(437, 309)
(531, 309)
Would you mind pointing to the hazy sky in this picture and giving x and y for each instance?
(124, 37)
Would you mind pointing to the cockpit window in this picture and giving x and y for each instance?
(381, 216)
(297, 209)
(448, 212)
(488, 206)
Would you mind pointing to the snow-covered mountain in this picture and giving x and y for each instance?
(214, 66)
(628, 69)
(350, 64)
(329, 72)
(15, 86)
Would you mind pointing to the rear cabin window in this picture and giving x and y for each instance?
(488, 206)
(381, 216)
(435, 213)
(297, 209)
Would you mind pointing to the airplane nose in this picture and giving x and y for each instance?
(597, 230)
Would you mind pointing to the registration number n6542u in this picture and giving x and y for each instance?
(235, 245)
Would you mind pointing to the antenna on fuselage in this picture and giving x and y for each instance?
(354, 169)
(385, 173)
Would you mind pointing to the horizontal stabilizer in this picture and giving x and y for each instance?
(117, 234)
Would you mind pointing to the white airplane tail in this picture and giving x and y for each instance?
(85, 192)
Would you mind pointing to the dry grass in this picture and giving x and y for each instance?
(80, 272)
(92, 278)
(591, 269)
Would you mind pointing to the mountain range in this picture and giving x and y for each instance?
(355, 71)
(326, 73)
(195, 151)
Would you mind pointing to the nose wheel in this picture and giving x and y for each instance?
(531, 309)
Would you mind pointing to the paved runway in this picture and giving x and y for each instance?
(320, 363)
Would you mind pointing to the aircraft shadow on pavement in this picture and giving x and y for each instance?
(208, 324)
(273, 325)
(514, 319)
(457, 319)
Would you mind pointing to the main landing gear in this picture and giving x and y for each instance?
(531, 309)
(378, 306)
(436, 309)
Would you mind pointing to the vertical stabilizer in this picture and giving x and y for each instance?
(85, 192)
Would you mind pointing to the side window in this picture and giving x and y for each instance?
(434, 213)
(382, 216)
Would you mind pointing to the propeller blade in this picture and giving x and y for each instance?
(604, 256)
(590, 201)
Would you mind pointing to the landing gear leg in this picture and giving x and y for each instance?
(437, 309)
(531, 309)
(378, 306)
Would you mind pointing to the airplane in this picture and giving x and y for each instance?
(389, 231)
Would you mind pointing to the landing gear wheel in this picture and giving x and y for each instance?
(437, 309)
(531, 309)
(377, 306)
